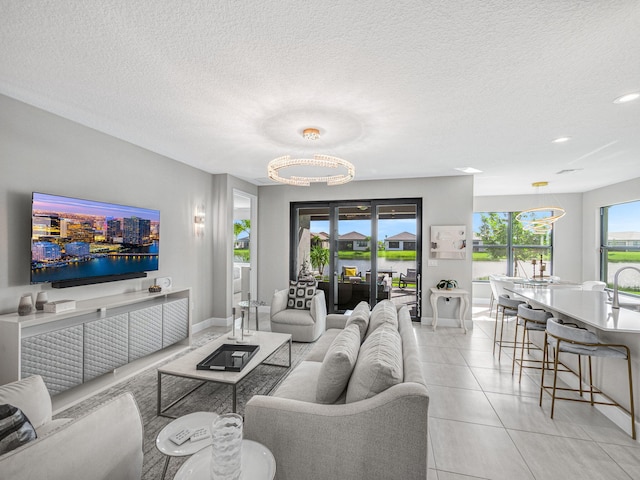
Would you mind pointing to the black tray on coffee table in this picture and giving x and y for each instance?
(229, 357)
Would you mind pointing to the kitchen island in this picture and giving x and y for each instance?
(592, 309)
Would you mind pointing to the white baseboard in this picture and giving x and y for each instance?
(447, 322)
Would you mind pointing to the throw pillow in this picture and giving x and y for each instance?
(337, 365)
(15, 428)
(350, 272)
(379, 365)
(385, 312)
(360, 317)
(301, 293)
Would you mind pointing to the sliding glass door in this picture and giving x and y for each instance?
(365, 250)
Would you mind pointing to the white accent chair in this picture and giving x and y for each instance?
(303, 325)
(494, 290)
(104, 444)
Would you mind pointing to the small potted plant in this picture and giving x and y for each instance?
(447, 284)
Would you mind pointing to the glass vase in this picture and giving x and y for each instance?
(226, 434)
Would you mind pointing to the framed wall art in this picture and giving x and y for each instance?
(448, 242)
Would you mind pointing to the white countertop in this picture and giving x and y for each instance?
(587, 306)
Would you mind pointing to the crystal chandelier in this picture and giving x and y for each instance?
(540, 220)
(318, 161)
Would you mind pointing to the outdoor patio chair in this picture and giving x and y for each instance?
(409, 277)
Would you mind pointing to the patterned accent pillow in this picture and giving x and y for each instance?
(301, 293)
(15, 428)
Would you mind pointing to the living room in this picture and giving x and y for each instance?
(44, 147)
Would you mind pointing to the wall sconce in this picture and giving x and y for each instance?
(198, 221)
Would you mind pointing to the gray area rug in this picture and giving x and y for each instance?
(209, 398)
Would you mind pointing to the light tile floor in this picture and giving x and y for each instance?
(483, 424)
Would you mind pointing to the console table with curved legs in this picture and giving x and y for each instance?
(460, 293)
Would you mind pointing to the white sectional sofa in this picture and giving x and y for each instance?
(104, 444)
(371, 431)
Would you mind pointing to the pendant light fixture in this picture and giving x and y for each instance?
(318, 161)
(540, 220)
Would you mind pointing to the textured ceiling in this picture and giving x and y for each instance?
(399, 88)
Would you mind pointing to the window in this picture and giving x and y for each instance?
(394, 244)
(502, 246)
(620, 245)
(328, 237)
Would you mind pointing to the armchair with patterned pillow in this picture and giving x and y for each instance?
(299, 310)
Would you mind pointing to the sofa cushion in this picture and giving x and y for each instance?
(301, 383)
(379, 365)
(360, 317)
(338, 364)
(385, 312)
(301, 293)
(320, 348)
(15, 428)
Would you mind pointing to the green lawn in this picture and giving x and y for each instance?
(627, 257)
(388, 254)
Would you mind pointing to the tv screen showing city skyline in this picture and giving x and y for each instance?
(73, 239)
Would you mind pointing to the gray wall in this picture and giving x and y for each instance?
(446, 201)
(46, 153)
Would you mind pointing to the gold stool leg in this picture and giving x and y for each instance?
(631, 407)
(515, 343)
(495, 329)
(556, 354)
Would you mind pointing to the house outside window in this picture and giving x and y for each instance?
(620, 245)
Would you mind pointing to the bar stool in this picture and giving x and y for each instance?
(530, 319)
(569, 338)
(506, 307)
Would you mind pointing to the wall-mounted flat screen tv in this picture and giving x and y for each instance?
(78, 242)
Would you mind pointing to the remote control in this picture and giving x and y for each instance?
(200, 434)
(182, 436)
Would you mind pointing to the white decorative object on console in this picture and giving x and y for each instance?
(59, 306)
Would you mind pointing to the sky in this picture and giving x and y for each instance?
(57, 204)
(624, 217)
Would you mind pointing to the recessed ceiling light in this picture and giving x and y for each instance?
(468, 170)
(561, 140)
(629, 97)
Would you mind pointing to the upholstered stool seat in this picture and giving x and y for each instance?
(571, 339)
(507, 307)
(531, 320)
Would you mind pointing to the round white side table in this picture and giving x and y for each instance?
(192, 421)
(257, 464)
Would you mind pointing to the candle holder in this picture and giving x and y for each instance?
(233, 323)
(242, 339)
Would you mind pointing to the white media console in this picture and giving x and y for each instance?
(102, 334)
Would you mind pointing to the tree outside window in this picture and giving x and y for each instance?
(502, 246)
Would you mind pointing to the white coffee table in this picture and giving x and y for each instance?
(192, 421)
(185, 366)
(257, 464)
